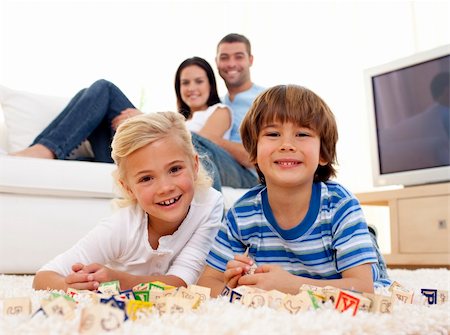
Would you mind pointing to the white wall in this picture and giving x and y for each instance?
(59, 46)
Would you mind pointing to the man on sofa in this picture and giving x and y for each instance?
(233, 60)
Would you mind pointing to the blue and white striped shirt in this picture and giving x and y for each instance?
(332, 237)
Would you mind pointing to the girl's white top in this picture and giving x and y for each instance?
(121, 242)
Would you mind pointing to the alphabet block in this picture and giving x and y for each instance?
(16, 306)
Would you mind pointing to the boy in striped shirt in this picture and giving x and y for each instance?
(298, 226)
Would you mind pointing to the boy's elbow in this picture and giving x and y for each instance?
(212, 279)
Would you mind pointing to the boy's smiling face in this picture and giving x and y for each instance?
(287, 154)
(161, 176)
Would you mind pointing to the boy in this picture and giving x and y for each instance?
(299, 227)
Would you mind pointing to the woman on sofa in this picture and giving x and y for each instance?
(94, 114)
(169, 216)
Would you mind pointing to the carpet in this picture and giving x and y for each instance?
(217, 316)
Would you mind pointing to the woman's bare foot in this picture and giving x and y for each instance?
(35, 151)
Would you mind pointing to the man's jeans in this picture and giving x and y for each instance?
(231, 172)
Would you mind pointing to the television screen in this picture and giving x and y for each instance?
(409, 102)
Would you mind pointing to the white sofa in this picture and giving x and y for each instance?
(47, 205)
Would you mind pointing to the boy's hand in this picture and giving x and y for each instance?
(271, 277)
(236, 268)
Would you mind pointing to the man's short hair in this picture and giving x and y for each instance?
(236, 38)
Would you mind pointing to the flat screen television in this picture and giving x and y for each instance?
(408, 106)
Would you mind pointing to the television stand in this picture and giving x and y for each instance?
(419, 224)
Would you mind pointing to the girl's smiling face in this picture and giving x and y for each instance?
(288, 155)
(161, 176)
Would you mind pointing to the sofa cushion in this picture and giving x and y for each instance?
(27, 114)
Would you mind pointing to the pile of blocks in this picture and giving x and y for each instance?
(109, 307)
(314, 297)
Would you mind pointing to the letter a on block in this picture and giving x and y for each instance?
(431, 295)
(346, 301)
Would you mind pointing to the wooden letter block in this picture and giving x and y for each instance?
(17, 306)
(346, 302)
(202, 292)
(403, 295)
(98, 319)
(60, 306)
(110, 287)
(226, 292)
(431, 295)
(442, 297)
(255, 299)
(379, 303)
(297, 303)
(137, 310)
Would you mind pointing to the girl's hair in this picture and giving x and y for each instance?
(301, 106)
(142, 130)
(213, 98)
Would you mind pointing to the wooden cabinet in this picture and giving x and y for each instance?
(419, 223)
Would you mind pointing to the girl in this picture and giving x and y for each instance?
(169, 218)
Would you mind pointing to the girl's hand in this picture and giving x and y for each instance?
(236, 268)
(99, 273)
(79, 278)
(78, 267)
(89, 277)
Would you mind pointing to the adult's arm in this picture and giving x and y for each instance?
(123, 116)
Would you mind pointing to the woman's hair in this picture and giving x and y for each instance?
(301, 106)
(213, 98)
(142, 130)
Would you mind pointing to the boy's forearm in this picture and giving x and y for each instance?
(353, 284)
(214, 284)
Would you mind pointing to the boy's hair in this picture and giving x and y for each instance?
(301, 106)
(213, 98)
(142, 130)
(236, 38)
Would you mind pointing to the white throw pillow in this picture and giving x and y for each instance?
(27, 114)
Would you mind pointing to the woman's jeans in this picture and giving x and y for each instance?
(87, 116)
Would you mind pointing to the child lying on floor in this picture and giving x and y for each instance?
(168, 224)
(298, 226)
